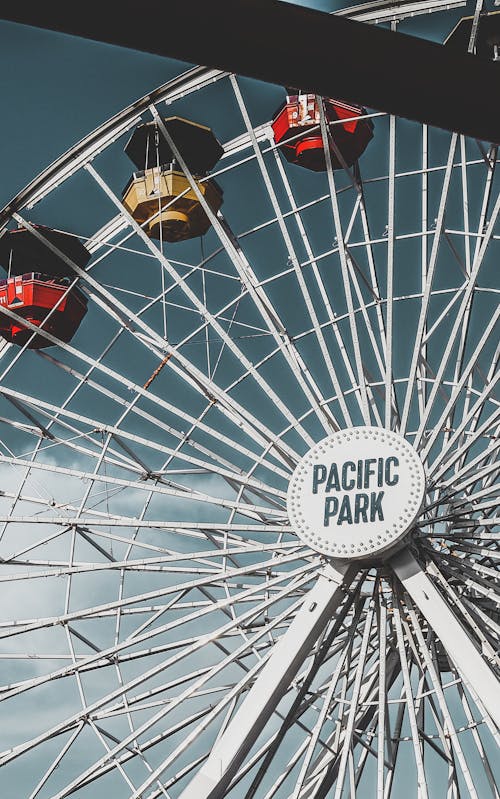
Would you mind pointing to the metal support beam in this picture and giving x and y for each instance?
(339, 57)
(230, 750)
(475, 672)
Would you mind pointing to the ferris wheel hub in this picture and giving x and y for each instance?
(357, 493)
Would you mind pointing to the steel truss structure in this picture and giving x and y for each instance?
(163, 632)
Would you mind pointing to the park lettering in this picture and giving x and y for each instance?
(350, 489)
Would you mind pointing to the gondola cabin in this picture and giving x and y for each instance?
(33, 296)
(296, 128)
(160, 197)
(22, 251)
(39, 272)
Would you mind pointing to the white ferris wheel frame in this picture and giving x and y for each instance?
(430, 599)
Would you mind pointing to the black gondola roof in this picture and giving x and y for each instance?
(24, 252)
(196, 143)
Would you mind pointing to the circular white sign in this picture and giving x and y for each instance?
(356, 493)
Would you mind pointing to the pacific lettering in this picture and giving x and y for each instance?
(333, 482)
(348, 483)
(319, 476)
(391, 478)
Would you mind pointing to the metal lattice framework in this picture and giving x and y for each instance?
(163, 632)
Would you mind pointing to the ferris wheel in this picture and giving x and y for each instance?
(249, 428)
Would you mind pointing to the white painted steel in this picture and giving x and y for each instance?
(319, 607)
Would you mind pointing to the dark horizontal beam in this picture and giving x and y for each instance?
(286, 44)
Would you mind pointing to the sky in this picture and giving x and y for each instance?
(58, 88)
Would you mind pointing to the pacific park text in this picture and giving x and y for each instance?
(360, 477)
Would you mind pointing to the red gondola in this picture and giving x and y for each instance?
(300, 114)
(33, 296)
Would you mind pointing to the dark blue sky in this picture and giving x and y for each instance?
(56, 89)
